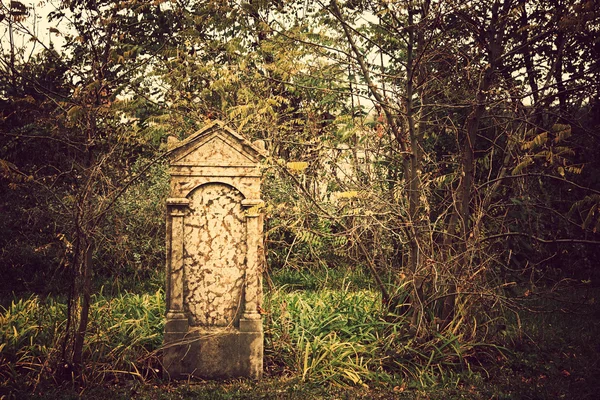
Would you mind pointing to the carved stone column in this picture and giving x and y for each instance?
(177, 321)
(251, 320)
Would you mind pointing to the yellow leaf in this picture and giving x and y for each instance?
(297, 166)
(524, 164)
(562, 132)
(347, 195)
(540, 139)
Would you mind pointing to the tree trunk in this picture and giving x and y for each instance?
(464, 192)
(86, 285)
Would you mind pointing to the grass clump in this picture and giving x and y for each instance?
(30, 331)
(345, 338)
(123, 336)
(322, 336)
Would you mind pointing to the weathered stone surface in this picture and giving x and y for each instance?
(214, 355)
(214, 236)
(215, 252)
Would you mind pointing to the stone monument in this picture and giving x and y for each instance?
(214, 268)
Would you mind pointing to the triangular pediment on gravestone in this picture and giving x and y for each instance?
(215, 144)
(215, 150)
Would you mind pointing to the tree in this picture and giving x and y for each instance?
(456, 117)
(448, 138)
(77, 115)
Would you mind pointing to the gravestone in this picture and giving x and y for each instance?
(214, 269)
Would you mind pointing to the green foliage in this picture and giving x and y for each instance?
(124, 335)
(30, 333)
(321, 343)
(133, 249)
(315, 279)
(296, 235)
(324, 338)
(344, 337)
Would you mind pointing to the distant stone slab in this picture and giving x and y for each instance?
(214, 268)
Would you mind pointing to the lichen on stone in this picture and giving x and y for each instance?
(214, 255)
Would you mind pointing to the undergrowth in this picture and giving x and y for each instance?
(123, 336)
(316, 338)
(343, 337)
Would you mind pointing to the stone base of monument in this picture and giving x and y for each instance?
(215, 353)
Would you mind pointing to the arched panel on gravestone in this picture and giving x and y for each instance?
(214, 256)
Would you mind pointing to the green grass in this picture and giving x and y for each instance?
(123, 336)
(342, 337)
(324, 336)
(320, 343)
(321, 279)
